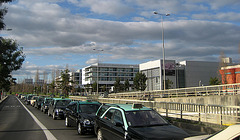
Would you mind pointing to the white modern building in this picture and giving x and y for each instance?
(106, 74)
(178, 75)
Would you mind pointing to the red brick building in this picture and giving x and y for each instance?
(230, 74)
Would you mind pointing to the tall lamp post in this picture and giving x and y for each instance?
(164, 73)
(98, 50)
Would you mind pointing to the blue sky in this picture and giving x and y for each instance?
(56, 33)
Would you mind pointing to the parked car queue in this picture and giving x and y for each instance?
(110, 121)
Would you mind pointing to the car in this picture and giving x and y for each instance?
(230, 133)
(28, 98)
(134, 121)
(39, 101)
(33, 100)
(57, 107)
(45, 104)
(81, 114)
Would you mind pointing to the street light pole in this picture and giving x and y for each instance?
(98, 50)
(163, 49)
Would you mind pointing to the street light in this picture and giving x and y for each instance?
(98, 50)
(164, 76)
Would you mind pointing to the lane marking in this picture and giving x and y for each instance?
(48, 134)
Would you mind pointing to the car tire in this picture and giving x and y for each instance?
(67, 122)
(79, 129)
(99, 135)
(53, 116)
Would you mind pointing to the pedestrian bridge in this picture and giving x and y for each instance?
(227, 89)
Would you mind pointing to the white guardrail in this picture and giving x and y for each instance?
(227, 89)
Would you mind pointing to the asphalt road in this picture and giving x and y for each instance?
(16, 123)
(19, 121)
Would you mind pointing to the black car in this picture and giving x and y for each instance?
(57, 107)
(45, 104)
(39, 101)
(82, 115)
(125, 121)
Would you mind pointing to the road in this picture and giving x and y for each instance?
(24, 122)
(17, 123)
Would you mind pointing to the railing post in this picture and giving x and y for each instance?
(199, 113)
(166, 109)
(181, 109)
(221, 116)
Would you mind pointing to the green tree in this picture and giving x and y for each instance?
(64, 83)
(169, 84)
(11, 59)
(214, 81)
(117, 85)
(94, 86)
(139, 81)
(126, 85)
(3, 12)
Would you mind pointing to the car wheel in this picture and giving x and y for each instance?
(99, 135)
(79, 129)
(49, 113)
(53, 116)
(66, 122)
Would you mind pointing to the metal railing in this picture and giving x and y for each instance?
(231, 89)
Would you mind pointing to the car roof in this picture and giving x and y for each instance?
(129, 107)
(61, 99)
(228, 133)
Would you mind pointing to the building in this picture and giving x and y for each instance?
(153, 69)
(76, 78)
(28, 81)
(230, 74)
(106, 74)
(178, 75)
(198, 73)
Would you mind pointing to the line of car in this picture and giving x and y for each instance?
(111, 121)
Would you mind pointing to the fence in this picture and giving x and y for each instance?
(215, 114)
(231, 89)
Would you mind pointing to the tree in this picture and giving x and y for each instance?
(3, 12)
(214, 81)
(117, 85)
(139, 81)
(94, 86)
(126, 85)
(64, 83)
(169, 84)
(11, 59)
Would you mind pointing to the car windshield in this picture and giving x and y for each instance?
(62, 102)
(48, 101)
(144, 118)
(88, 108)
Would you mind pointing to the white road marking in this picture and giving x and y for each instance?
(48, 134)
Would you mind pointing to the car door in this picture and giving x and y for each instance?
(117, 126)
(72, 114)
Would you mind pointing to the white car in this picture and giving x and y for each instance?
(230, 133)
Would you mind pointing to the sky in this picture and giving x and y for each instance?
(60, 34)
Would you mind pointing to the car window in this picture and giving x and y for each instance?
(102, 110)
(88, 108)
(62, 102)
(109, 114)
(144, 118)
(117, 117)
